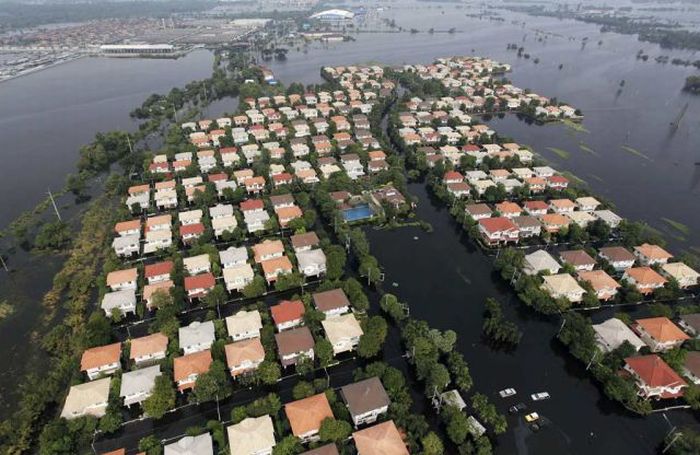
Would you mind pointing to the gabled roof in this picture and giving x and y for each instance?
(191, 445)
(251, 435)
(159, 268)
(195, 363)
(150, 344)
(196, 333)
(328, 449)
(497, 224)
(330, 300)
(243, 321)
(365, 396)
(306, 415)
(616, 254)
(306, 239)
(122, 276)
(203, 281)
(100, 356)
(245, 350)
(653, 252)
(661, 329)
(85, 395)
(654, 371)
(293, 341)
(645, 275)
(577, 258)
(287, 310)
(381, 439)
(139, 381)
(342, 327)
(267, 247)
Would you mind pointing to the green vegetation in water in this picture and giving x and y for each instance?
(634, 151)
(596, 178)
(574, 178)
(561, 153)
(6, 310)
(586, 148)
(677, 225)
(575, 126)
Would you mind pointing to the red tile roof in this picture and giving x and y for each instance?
(196, 228)
(287, 310)
(655, 372)
(160, 268)
(251, 204)
(497, 224)
(100, 356)
(205, 280)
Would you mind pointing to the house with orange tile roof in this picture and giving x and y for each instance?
(498, 230)
(649, 254)
(119, 280)
(554, 222)
(509, 209)
(268, 249)
(659, 333)
(151, 290)
(186, 369)
(604, 286)
(130, 227)
(243, 357)
(380, 439)
(645, 279)
(148, 349)
(562, 206)
(306, 415)
(273, 268)
(101, 360)
(654, 378)
(199, 286)
(288, 314)
(160, 271)
(286, 214)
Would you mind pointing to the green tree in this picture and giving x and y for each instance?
(151, 445)
(162, 399)
(255, 288)
(333, 430)
(213, 384)
(324, 352)
(53, 236)
(289, 445)
(372, 340)
(335, 261)
(390, 305)
(356, 294)
(268, 372)
(302, 389)
(432, 444)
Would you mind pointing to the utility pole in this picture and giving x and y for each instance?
(4, 265)
(54, 205)
(673, 440)
(595, 354)
(218, 410)
(128, 141)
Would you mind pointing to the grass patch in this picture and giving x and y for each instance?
(575, 126)
(561, 153)
(586, 148)
(634, 151)
(677, 225)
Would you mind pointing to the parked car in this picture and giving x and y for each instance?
(540, 396)
(505, 393)
(532, 417)
(520, 407)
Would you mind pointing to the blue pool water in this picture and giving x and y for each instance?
(359, 212)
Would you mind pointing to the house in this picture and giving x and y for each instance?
(156, 240)
(478, 211)
(304, 242)
(557, 182)
(252, 436)
(498, 230)
(459, 189)
(684, 275)
(582, 219)
(563, 285)
(287, 314)
(120, 280)
(191, 232)
(540, 261)
(123, 302)
(690, 323)
(244, 356)
(148, 349)
(659, 333)
(529, 226)
(196, 337)
(380, 439)
(127, 245)
(554, 222)
(224, 224)
(188, 367)
(312, 262)
(618, 257)
(578, 259)
(238, 277)
(645, 279)
(268, 249)
(199, 286)
(273, 268)
(332, 303)
(244, 325)
(256, 221)
(604, 286)
(150, 291)
(101, 360)
(328, 449)
(286, 214)
(191, 445)
(612, 333)
(508, 209)
(138, 385)
(195, 265)
(587, 204)
(294, 344)
(306, 415)
(562, 206)
(343, 332)
(651, 254)
(365, 400)
(158, 272)
(233, 256)
(90, 398)
(691, 367)
(452, 177)
(608, 217)
(536, 208)
(654, 378)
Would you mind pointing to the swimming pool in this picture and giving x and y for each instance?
(359, 212)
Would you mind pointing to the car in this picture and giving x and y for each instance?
(505, 393)
(540, 396)
(532, 417)
(517, 408)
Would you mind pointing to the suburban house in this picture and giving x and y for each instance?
(126, 245)
(90, 398)
(578, 259)
(690, 323)
(365, 400)
(127, 228)
(331, 303)
(679, 271)
(160, 271)
(305, 241)
(651, 254)
(191, 232)
(654, 378)
(528, 226)
(328, 449)
(587, 203)
(101, 360)
(563, 285)
(554, 222)
(272, 268)
(138, 385)
(187, 368)
(119, 280)
(244, 356)
(197, 264)
(244, 325)
(380, 439)
(478, 211)
(604, 285)
(191, 445)
(645, 279)
(691, 367)
(608, 217)
(612, 333)
(312, 262)
(540, 261)
(536, 208)
(618, 257)
(150, 291)
(268, 249)
(287, 314)
(305, 416)
(238, 277)
(148, 349)
(255, 220)
(123, 302)
(293, 344)
(659, 333)
(233, 256)
(343, 332)
(196, 337)
(252, 436)
(498, 230)
(157, 240)
(199, 286)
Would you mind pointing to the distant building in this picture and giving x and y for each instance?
(333, 16)
(135, 50)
